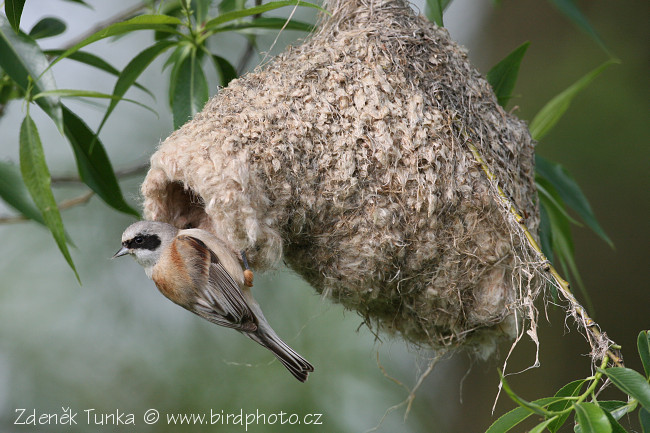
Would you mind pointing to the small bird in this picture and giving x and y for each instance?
(196, 270)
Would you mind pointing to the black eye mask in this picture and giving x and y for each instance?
(144, 242)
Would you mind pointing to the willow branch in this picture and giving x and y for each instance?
(594, 335)
(125, 14)
(126, 172)
(65, 204)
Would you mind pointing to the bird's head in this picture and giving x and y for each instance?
(145, 241)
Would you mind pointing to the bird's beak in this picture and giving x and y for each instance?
(122, 252)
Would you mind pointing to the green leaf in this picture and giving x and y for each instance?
(644, 420)
(503, 76)
(37, 179)
(131, 73)
(227, 71)
(8, 90)
(230, 16)
(545, 232)
(531, 406)
(174, 9)
(96, 62)
(592, 419)
(161, 23)
(190, 90)
(546, 242)
(181, 51)
(435, 9)
(176, 59)
(21, 58)
(561, 237)
(571, 389)
(200, 9)
(551, 194)
(570, 192)
(630, 382)
(14, 192)
(549, 115)
(268, 23)
(94, 166)
(613, 423)
(569, 8)
(511, 419)
(539, 428)
(7, 93)
(617, 408)
(47, 27)
(14, 10)
(161, 36)
(643, 345)
(75, 93)
(228, 5)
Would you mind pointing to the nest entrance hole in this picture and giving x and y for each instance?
(184, 207)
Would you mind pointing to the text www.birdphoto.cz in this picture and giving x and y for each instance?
(69, 417)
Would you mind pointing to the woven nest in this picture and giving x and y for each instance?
(347, 156)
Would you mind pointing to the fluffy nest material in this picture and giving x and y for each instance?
(347, 156)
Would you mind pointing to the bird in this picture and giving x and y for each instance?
(198, 271)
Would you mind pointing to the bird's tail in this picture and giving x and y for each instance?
(296, 364)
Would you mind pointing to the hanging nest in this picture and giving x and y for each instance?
(347, 157)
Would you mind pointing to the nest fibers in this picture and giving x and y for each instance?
(347, 156)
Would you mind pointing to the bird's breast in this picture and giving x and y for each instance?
(173, 281)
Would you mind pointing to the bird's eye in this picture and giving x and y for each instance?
(138, 239)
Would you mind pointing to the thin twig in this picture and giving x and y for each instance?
(595, 337)
(289, 18)
(127, 172)
(125, 14)
(65, 204)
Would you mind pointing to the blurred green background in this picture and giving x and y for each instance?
(115, 343)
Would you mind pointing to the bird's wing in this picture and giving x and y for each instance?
(219, 298)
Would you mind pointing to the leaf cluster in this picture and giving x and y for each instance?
(590, 414)
(182, 29)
